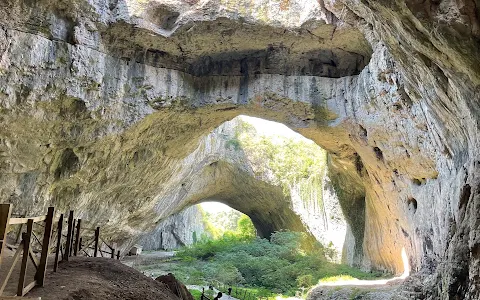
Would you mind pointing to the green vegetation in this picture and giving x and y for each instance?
(285, 264)
(291, 162)
(196, 294)
(219, 223)
(289, 159)
(337, 278)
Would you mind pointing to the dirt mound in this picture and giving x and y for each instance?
(175, 286)
(100, 279)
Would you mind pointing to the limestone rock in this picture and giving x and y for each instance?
(175, 231)
(175, 286)
(101, 102)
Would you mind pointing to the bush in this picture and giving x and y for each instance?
(305, 280)
(196, 294)
(288, 262)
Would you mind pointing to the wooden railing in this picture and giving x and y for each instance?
(72, 246)
(75, 243)
(24, 249)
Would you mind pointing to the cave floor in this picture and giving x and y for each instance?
(99, 278)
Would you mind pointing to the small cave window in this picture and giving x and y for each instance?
(418, 181)
(378, 153)
(412, 204)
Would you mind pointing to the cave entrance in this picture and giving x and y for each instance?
(279, 178)
(208, 220)
(219, 219)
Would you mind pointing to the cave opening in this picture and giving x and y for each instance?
(281, 180)
(106, 109)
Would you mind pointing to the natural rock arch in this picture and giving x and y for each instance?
(112, 171)
(405, 127)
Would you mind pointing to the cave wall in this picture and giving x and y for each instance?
(176, 231)
(435, 45)
(83, 114)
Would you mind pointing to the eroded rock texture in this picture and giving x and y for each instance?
(176, 231)
(224, 169)
(101, 102)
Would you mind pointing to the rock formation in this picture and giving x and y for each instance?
(175, 231)
(233, 165)
(101, 102)
(175, 286)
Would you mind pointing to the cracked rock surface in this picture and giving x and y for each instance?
(103, 102)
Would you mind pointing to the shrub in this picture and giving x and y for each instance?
(305, 280)
(288, 262)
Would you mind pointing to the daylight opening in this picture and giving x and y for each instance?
(262, 203)
(220, 219)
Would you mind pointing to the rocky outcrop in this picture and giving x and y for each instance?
(435, 45)
(175, 286)
(103, 101)
(176, 231)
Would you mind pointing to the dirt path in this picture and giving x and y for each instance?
(7, 260)
(100, 279)
(383, 289)
(151, 264)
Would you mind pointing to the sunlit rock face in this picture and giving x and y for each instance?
(102, 101)
(89, 128)
(178, 230)
(435, 45)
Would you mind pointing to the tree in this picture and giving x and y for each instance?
(245, 227)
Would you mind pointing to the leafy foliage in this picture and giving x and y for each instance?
(289, 160)
(285, 264)
(219, 223)
(245, 227)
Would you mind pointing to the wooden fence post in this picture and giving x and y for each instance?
(40, 275)
(77, 238)
(26, 252)
(59, 242)
(5, 211)
(72, 241)
(19, 233)
(69, 236)
(97, 235)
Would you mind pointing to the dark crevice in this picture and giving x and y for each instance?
(378, 153)
(68, 164)
(418, 181)
(358, 164)
(412, 204)
(465, 196)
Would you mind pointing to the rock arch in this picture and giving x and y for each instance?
(143, 103)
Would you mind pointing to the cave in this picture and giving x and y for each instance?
(128, 96)
(278, 178)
